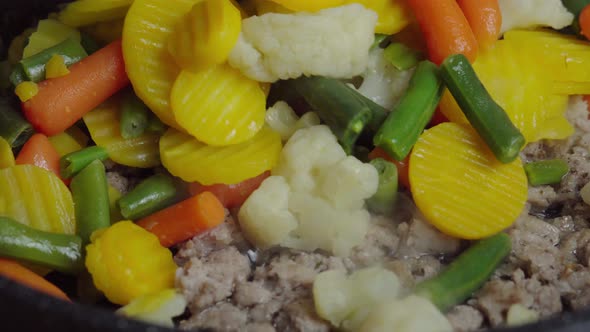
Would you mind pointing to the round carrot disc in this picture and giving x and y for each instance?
(460, 187)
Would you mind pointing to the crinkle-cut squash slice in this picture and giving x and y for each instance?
(104, 126)
(523, 87)
(37, 198)
(86, 12)
(151, 69)
(194, 161)
(459, 185)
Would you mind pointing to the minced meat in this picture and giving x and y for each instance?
(230, 286)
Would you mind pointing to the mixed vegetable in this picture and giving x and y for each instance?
(303, 119)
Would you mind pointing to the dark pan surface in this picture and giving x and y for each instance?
(23, 309)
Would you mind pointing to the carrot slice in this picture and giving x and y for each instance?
(39, 151)
(16, 272)
(231, 195)
(62, 101)
(445, 29)
(485, 19)
(186, 219)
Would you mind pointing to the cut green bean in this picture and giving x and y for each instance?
(467, 273)
(13, 127)
(485, 115)
(91, 200)
(155, 125)
(89, 43)
(401, 56)
(34, 66)
(546, 171)
(152, 194)
(17, 75)
(134, 117)
(61, 252)
(383, 201)
(405, 123)
(575, 6)
(338, 105)
(72, 163)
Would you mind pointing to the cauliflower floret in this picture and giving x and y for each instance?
(410, 314)
(282, 119)
(333, 42)
(265, 216)
(382, 82)
(532, 13)
(315, 198)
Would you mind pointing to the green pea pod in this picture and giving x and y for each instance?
(61, 252)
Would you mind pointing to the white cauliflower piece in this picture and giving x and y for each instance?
(382, 82)
(315, 198)
(347, 300)
(533, 13)
(410, 314)
(333, 42)
(265, 216)
(282, 119)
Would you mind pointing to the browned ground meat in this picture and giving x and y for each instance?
(232, 287)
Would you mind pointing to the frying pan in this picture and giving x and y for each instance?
(23, 309)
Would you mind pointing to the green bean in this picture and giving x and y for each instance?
(466, 273)
(487, 117)
(338, 105)
(74, 162)
(151, 195)
(155, 125)
(405, 123)
(401, 56)
(546, 171)
(13, 127)
(61, 252)
(383, 201)
(134, 117)
(91, 200)
(34, 66)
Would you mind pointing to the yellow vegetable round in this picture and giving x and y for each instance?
(460, 187)
(6, 155)
(218, 106)
(56, 67)
(151, 69)
(309, 5)
(194, 161)
(104, 127)
(126, 261)
(206, 35)
(86, 12)
(37, 198)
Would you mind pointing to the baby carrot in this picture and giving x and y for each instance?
(39, 151)
(231, 195)
(20, 274)
(445, 29)
(186, 219)
(485, 19)
(62, 101)
(584, 21)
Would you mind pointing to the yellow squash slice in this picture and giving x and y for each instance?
(104, 126)
(533, 90)
(460, 187)
(206, 35)
(37, 198)
(6, 155)
(49, 33)
(86, 12)
(151, 69)
(219, 105)
(194, 161)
